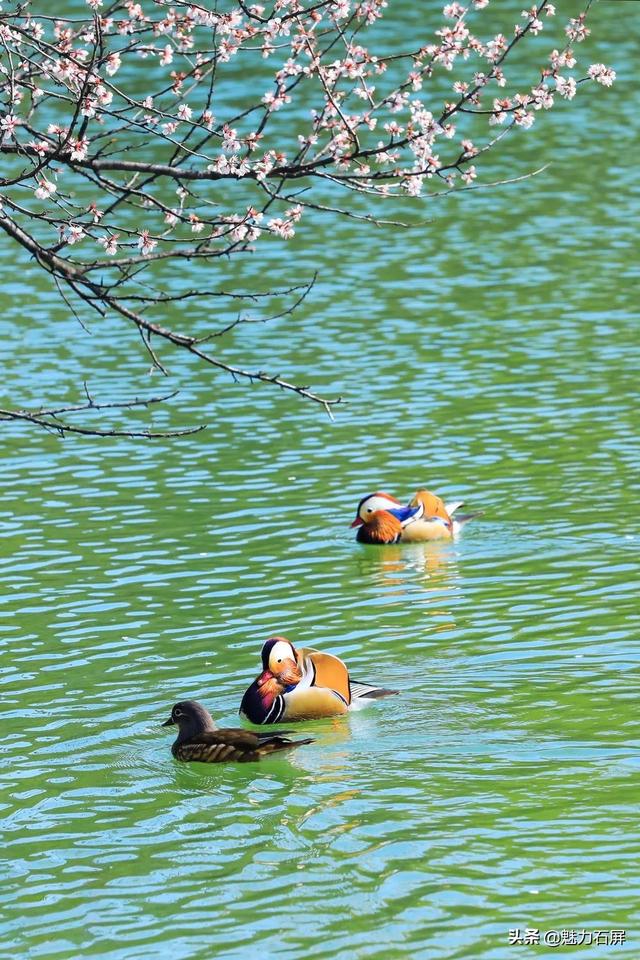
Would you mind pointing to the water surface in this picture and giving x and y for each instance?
(491, 354)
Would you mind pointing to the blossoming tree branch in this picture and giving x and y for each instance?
(125, 152)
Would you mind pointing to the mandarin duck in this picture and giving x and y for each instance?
(303, 684)
(200, 739)
(381, 518)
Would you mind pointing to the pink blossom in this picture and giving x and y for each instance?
(499, 108)
(88, 107)
(240, 232)
(75, 234)
(166, 56)
(469, 175)
(41, 147)
(535, 24)
(496, 47)
(499, 77)
(566, 87)
(45, 189)
(576, 30)
(275, 101)
(96, 214)
(145, 243)
(230, 142)
(113, 63)
(110, 244)
(221, 165)
(104, 95)
(564, 58)
(134, 10)
(9, 125)
(281, 228)
(523, 119)
(79, 148)
(185, 112)
(543, 97)
(412, 185)
(7, 34)
(602, 74)
(433, 164)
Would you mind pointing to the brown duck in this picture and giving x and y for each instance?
(200, 739)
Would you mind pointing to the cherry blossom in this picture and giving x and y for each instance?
(576, 29)
(9, 124)
(110, 244)
(602, 74)
(146, 243)
(79, 148)
(45, 189)
(249, 114)
(566, 87)
(74, 234)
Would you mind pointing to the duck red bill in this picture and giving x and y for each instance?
(357, 522)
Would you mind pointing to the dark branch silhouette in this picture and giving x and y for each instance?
(113, 191)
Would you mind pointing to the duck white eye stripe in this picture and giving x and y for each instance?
(281, 651)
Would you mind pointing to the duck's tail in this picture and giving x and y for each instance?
(463, 518)
(364, 693)
(270, 744)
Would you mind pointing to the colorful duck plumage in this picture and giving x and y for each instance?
(303, 684)
(200, 739)
(381, 518)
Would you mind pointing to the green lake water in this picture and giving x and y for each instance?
(491, 354)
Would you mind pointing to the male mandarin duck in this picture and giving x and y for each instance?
(200, 739)
(303, 684)
(383, 519)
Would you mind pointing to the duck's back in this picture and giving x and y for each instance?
(432, 505)
(324, 670)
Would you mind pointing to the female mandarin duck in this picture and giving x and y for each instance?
(303, 684)
(383, 519)
(200, 739)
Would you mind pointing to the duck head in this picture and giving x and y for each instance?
(372, 502)
(191, 718)
(384, 516)
(279, 662)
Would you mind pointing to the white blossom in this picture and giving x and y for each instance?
(602, 74)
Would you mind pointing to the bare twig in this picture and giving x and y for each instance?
(49, 418)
